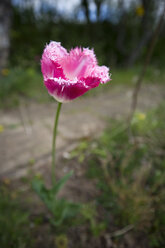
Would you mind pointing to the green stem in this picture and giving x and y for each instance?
(54, 142)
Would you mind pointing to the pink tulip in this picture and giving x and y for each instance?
(69, 75)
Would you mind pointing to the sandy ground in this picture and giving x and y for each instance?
(27, 136)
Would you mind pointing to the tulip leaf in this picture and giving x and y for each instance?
(64, 211)
(60, 184)
(44, 193)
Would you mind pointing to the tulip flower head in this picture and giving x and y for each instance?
(68, 75)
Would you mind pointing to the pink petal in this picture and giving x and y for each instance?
(50, 60)
(91, 82)
(101, 72)
(76, 63)
(51, 69)
(65, 90)
(55, 51)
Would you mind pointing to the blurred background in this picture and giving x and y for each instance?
(119, 176)
(119, 30)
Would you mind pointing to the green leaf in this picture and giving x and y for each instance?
(61, 183)
(64, 211)
(44, 193)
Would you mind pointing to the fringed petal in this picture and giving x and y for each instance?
(76, 63)
(55, 51)
(101, 72)
(50, 66)
(65, 91)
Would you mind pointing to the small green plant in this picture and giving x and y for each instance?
(62, 211)
(79, 151)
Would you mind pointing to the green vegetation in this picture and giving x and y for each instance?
(15, 228)
(130, 174)
(20, 82)
(130, 76)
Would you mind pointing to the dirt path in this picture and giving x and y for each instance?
(26, 139)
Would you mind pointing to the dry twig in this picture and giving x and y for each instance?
(145, 65)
